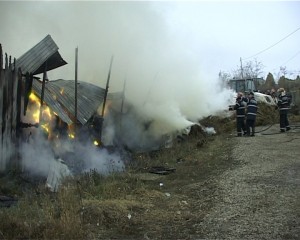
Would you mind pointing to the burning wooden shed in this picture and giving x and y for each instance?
(15, 86)
(21, 88)
(43, 57)
(73, 104)
(59, 98)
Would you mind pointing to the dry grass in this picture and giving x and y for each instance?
(267, 114)
(43, 215)
(123, 206)
(130, 205)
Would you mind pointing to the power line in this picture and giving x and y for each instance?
(290, 58)
(273, 44)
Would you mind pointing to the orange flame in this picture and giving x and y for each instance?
(34, 111)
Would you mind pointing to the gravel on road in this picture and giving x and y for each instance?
(259, 198)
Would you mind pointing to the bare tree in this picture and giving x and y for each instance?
(250, 69)
(237, 73)
(224, 77)
(283, 71)
(253, 69)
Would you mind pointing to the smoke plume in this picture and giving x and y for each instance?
(168, 84)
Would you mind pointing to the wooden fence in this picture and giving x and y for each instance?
(10, 108)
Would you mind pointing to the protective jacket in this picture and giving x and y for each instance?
(251, 109)
(240, 107)
(283, 103)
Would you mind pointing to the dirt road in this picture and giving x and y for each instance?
(259, 197)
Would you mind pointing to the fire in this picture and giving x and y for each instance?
(35, 107)
(45, 127)
(46, 114)
(71, 135)
(36, 116)
(34, 98)
(47, 118)
(49, 121)
(71, 131)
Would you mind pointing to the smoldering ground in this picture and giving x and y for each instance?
(41, 158)
(43, 148)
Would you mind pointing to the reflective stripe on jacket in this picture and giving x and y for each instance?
(240, 107)
(283, 103)
(251, 109)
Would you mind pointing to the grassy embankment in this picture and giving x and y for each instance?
(133, 204)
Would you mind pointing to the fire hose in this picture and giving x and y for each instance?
(268, 127)
(293, 127)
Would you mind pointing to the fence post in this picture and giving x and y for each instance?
(9, 90)
(1, 107)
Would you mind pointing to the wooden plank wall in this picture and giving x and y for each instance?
(10, 93)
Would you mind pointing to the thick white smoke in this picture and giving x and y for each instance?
(60, 156)
(100, 160)
(168, 81)
(57, 159)
(157, 55)
(37, 154)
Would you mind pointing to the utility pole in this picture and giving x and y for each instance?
(241, 68)
(76, 80)
(245, 81)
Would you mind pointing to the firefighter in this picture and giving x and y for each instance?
(283, 105)
(273, 95)
(251, 114)
(240, 106)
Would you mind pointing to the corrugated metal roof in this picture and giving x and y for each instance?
(59, 95)
(34, 60)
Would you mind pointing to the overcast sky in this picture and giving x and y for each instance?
(156, 38)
